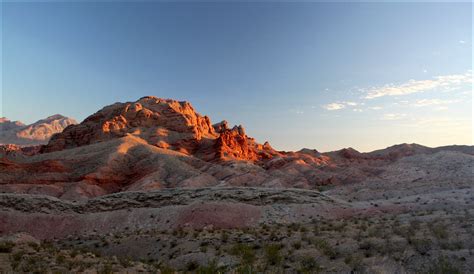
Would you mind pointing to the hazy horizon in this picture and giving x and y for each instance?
(301, 75)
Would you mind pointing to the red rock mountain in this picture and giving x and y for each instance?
(163, 123)
(15, 132)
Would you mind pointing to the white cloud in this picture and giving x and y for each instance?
(445, 82)
(375, 108)
(393, 116)
(351, 103)
(357, 110)
(334, 106)
(340, 105)
(462, 42)
(431, 102)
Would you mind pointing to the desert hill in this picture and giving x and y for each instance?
(17, 133)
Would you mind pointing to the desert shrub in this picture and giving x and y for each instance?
(273, 236)
(106, 269)
(60, 259)
(421, 245)
(211, 268)
(294, 226)
(341, 226)
(32, 264)
(192, 266)
(245, 269)
(439, 231)
(245, 252)
(17, 256)
(325, 248)
(375, 231)
(6, 247)
(125, 262)
(33, 245)
(296, 245)
(309, 265)
(48, 245)
(164, 269)
(454, 245)
(224, 237)
(272, 254)
(443, 266)
(415, 224)
(316, 230)
(74, 253)
(355, 262)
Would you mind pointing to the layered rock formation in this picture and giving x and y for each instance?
(17, 133)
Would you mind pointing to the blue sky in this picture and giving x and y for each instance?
(316, 75)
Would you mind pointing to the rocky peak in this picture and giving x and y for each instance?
(37, 133)
(6, 124)
(234, 144)
(221, 126)
(162, 122)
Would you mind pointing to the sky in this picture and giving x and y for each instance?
(299, 75)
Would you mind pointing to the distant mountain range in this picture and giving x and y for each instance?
(156, 143)
(15, 132)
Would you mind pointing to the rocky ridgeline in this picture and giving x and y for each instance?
(155, 143)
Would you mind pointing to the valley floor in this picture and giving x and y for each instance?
(239, 230)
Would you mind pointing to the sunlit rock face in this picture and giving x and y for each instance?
(161, 122)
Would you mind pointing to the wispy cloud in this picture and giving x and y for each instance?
(393, 116)
(351, 103)
(341, 105)
(445, 82)
(462, 42)
(334, 106)
(375, 108)
(431, 102)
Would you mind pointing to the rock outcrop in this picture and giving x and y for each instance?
(163, 123)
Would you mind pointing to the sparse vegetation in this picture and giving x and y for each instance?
(272, 254)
